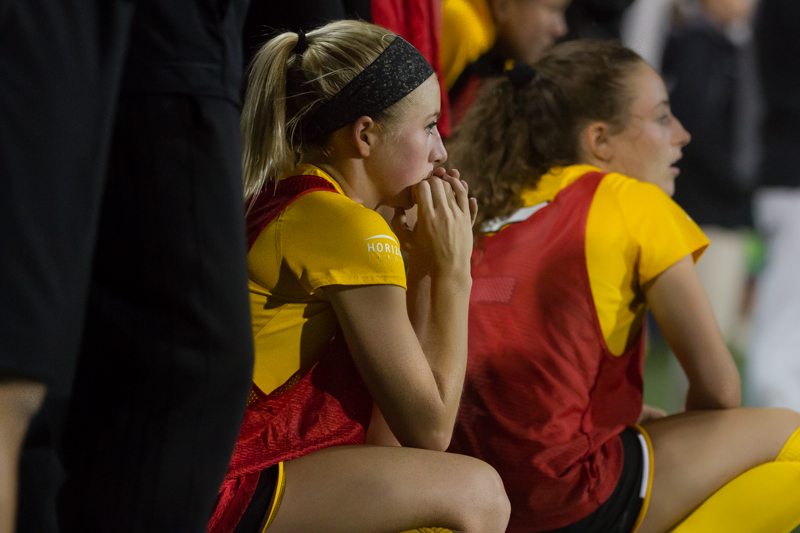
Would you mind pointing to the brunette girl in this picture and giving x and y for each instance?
(336, 123)
(572, 163)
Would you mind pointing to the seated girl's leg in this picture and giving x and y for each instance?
(765, 498)
(697, 453)
(372, 489)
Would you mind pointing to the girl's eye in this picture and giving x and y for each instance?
(432, 125)
(664, 119)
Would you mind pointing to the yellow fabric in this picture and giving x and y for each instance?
(322, 239)
(651, 470)
(634, 232)
(467, 32)
(765, 499)
(277, 498)
(791, 450)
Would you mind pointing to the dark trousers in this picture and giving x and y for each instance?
(122, 271)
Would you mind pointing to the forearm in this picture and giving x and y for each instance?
(724, 394)
(444, 337)
(686, 319)
(418, 300)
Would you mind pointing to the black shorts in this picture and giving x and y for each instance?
(620, 513)
(265, 501)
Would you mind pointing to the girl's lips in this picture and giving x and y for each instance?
(675, 170)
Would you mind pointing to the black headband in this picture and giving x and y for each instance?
(397, 71)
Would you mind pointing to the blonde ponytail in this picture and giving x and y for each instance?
(285, 88)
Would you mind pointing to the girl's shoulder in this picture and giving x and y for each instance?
(331, 212)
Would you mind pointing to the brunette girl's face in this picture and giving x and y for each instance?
(411, 149)
(650, 145)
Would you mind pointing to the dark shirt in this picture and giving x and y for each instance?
(595, 19)
(778, 45)
(700, 70)
(186, 48)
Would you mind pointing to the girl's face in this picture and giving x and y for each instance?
(410, 151)
(650, 145)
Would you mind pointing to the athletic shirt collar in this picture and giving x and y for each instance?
(305, 169)
(551, 183)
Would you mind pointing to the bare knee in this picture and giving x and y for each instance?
(489, 508)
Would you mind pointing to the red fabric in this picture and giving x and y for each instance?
(268, 204)
(328, 405)
(463, 101)
(544, 400)
(420, 23)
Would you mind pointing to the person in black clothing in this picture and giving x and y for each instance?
(774, 358)
(595, 19)
(123, 280)
(710, 71)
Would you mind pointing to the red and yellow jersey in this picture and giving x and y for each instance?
(555, 338)
(634, 232)
(304, 234)
(321, 239)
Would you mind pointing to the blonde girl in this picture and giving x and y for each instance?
(337, 123)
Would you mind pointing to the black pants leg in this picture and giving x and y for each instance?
(166, 362)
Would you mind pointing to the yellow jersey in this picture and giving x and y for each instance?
(321, 239)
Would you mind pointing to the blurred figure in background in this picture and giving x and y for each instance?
(596, 19)
(710, 70)
(774, 360)
(417, 21)
(522, 30)
(645, 27)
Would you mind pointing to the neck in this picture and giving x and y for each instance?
(604, 166)
(351, 177)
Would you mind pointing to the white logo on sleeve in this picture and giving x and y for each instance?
(383, 247)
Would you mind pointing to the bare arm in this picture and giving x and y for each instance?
(685, 317)
(416, 377)
(417, 392)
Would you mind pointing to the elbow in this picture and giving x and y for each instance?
(434, 438)
(439, 441)
(727, 397)
(730, 397)
(723, 396)
(729, 393)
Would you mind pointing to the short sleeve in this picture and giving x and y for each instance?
(663, 232)
(328, 239)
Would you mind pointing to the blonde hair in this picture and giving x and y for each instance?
(285, 89)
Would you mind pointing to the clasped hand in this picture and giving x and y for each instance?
(440, 243)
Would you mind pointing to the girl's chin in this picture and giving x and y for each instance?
(669, 187)
(404, 199)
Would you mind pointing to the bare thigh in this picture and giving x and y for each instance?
(696, 453)
(373, 489)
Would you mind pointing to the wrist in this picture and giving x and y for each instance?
(455, 279)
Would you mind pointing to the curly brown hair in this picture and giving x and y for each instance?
(515, 132)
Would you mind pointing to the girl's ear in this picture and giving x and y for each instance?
(364, 136)
(595, 142)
